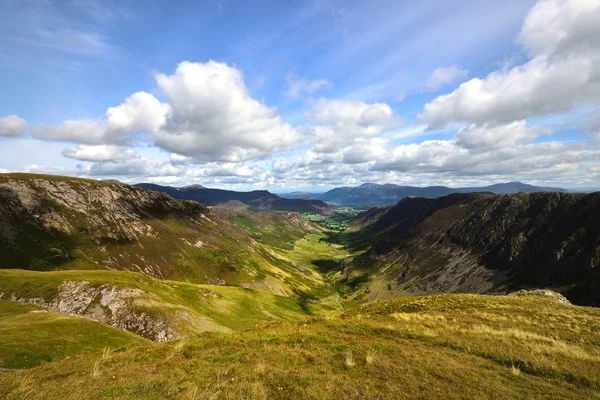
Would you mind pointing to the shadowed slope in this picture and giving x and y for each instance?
(484, 243)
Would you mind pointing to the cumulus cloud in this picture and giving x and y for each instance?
(98, 153)
(297, 86)
(339, 123)
(132, 167)
(562, 37)
(140, 112)
(208, 115)
(482, 138)
(214, 118)
(530, 161)
(443, 76)
(557, 26)
(12, 126)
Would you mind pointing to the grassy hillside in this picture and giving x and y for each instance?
(30, 336)
(181, 308)
(449, 346)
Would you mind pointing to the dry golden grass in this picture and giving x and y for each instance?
(349, 359)
(370, 357)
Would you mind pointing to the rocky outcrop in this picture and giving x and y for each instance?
(118, 307)
(542, 293)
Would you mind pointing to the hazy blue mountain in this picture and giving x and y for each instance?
(389, 194)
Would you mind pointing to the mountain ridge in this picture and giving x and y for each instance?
(258, 199)
(483, 243)
(388, 194)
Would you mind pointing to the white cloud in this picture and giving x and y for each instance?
(215, 119)
(12, 126)
(443, 76)
(563, 39)
(98, 153)
(141, 112)
(208, 115)
(505, 151)
(482, 138)
(297, 86)
(364, 150)
(556, 26)
(132, 167)
(339, 123)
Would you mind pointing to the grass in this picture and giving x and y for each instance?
(209, 307)
(46, 177)
(30, 336)
(452, 346)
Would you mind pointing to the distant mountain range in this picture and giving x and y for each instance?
(372, 194)
(258, 199)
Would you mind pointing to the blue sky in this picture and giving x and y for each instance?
(304, 94)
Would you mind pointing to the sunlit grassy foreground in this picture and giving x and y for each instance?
(449, 346)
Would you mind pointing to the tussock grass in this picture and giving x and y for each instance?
(106, 353)
(370, 357)
(349, 359)
(96, 370)
(515, 370)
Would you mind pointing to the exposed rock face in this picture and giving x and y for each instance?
(107, 304)
(488, 243)
(103, 205)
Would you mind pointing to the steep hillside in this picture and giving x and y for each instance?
(450, 346)
(389, 194)
(483, 243)
(51, 223)
(258, 199)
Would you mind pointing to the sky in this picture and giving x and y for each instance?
(302, 95)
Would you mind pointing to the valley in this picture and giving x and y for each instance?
(113, 291)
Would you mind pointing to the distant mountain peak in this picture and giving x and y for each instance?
(196, 186)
